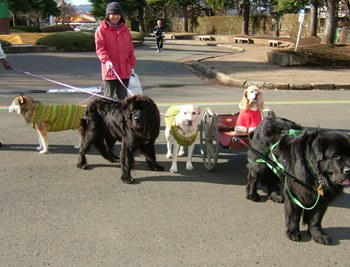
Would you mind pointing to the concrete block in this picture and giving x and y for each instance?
(323, 86)
(256, 83)
(296, 60)
(269, 85)
(302, 86)
(345, 86)
(281, 86)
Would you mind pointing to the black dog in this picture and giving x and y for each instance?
(268, 132)
(320, 161)
(135, 122)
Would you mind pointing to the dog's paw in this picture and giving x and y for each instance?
(156, 168)
(168, 156)
(82, 166)
(189, 166)
(181, 153)
(127, 180)
(254, 197)
(322, 239)
(294, 236)
(276, 197)
(44, 151)
(39, 148)
(76, 146)
(173, 170)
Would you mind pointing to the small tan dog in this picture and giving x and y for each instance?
(46, 118)
(251, 108)
(181, 130)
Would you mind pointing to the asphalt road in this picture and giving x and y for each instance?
(53, 214)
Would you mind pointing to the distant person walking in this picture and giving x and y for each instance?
(3, 60)
(115, 50)
(159, 31)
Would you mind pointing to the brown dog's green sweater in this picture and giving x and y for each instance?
(59, 117)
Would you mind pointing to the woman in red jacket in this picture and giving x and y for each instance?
(115, 50)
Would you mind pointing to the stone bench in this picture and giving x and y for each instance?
(206, 38)
(274, 43)
(243, 40)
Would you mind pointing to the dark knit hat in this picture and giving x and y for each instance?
(113, 8)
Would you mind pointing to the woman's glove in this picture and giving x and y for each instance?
(109, 65)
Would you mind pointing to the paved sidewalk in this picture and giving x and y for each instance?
(248, 65)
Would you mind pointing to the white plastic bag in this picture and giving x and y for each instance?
(134, 87)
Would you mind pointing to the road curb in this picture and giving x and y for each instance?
(226, 79)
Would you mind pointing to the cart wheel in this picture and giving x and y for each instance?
(209, 135)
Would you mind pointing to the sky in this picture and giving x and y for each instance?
(79, 2)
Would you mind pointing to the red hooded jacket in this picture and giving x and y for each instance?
(115, 45)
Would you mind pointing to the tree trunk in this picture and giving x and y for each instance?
(331, 23)
(185, 18)
(245, 14)
(314, 8)
(141, 20)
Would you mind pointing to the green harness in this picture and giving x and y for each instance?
(170, 122)
(281, 167)
(59, 117)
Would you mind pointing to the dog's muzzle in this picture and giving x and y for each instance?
(136, 115)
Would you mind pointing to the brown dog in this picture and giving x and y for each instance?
(47, 118)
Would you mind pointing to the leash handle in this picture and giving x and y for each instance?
(120, 80)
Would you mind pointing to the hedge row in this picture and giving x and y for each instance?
(75, 41)
(69, 41)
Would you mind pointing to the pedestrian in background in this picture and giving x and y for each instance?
(3, 60)
(115, 50)
(159, 31)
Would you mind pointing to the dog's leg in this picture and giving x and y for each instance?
(313, 218)
(150, 155)
(168, 143)
(173, 168)
(251, 187)
(189, 157)
(105, 150)
(80, 140)
(274, 191)
(181, 151)
(125, 161)
(87, 138)
(292, 217)
(41, 129)
(40, 146)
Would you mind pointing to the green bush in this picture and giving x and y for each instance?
(25, 28)
(57, 28)
(69, 41)
(4, 43)
(137, 36)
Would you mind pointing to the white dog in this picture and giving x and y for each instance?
(181, 130)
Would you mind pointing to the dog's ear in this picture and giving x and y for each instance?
(244, 101)
(22, 99)
(260, 101)
(318, 146)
